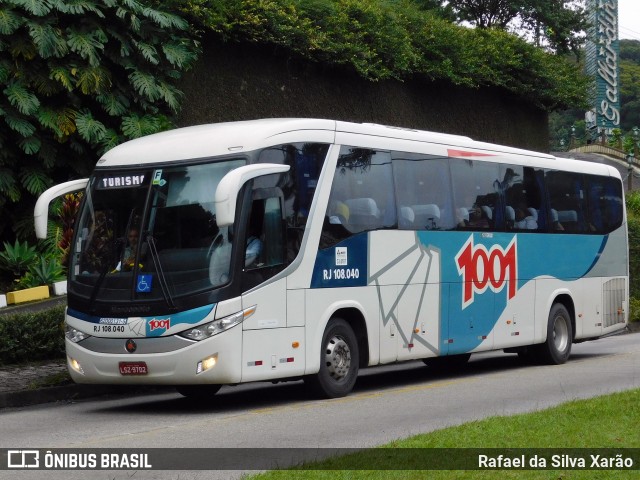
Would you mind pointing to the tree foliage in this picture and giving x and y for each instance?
(78, 77)
(629, 84)
(558, 24)
(384, 39)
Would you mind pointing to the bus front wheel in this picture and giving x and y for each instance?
(557, 348)
(339, 362)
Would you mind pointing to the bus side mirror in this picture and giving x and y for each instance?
(228, 188)
(41, 210)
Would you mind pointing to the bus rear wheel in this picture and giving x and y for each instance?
(339, 362)
(198, 392)
(557, 348)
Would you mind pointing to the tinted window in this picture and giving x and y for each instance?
(567, 201)
(605, 204)
(476, 194)
(523, 206)
(423, 188)
(298, 186)
(362, 195)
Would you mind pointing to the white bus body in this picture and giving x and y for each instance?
(375, 245)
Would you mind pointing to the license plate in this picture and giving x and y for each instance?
(133, 368)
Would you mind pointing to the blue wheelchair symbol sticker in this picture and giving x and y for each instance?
(144, 283)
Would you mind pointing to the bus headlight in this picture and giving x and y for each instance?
(217, 326)
(73, 334)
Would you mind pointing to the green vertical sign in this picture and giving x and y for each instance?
(602, 63)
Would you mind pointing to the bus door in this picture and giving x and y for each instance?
(269, 347)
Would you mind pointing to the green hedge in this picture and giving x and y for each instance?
(29, 337)
(396, 39)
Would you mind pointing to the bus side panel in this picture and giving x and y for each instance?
(272, 353)
(589, 317)
(323, 303)
(516, 323)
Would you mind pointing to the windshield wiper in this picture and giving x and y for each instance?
(164, 286)
(113, 253)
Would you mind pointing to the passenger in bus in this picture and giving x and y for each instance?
(253, 251)
(129, 253)
(555, 223)
(254, 234)
(524, 219)
(477, 218)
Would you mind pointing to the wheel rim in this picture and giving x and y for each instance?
(560, 333)
(338, 358)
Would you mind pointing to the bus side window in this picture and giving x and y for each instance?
(423, 189)
(567, 198)
(605, 204)
(362, 195)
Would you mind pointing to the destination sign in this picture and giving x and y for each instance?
(122, 181)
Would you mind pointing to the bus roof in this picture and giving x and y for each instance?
(217, 139)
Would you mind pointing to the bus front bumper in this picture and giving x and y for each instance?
(216, 360)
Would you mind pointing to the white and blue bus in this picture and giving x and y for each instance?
(297, 248)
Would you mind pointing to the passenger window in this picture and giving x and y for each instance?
(605, 204)
(567, 202)
(475, 194)
(298, 185)
(521, 188)
(423, 187)
(362, 195)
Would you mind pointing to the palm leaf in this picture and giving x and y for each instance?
(10, 21)
(26, 102)
(114, 105)
(35, 7)
(111, 139)
(164, 19)
(90, 129)
(48, 40)
(170, 95)
(30, 145)
(134, 126)
(63, 76)
(34, 181)
(179, 55)
(5, 71)
(145, 85)
(20, 125)
(80, 7)
(88, 46)
(93, 80)
(148, 51)
(8, 185)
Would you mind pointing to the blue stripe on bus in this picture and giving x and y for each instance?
(189, 317)
(560, 256)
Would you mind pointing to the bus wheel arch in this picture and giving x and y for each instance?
(340, 355)
(561, 327)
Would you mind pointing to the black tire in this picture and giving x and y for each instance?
(557, 348)
(447, 363)
(339, 362)
(198, 392)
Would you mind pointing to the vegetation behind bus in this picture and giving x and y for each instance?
(70, 89)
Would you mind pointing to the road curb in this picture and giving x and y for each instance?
(70, 393)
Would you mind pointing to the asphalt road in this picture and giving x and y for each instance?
(388, 403)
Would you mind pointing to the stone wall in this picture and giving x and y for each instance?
(245, 81)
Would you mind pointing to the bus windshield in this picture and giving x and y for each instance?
(150, 234)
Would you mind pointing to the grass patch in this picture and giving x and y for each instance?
(54, 380)
(609, 421)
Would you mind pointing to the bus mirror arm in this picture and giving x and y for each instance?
(41, 210)
(227, 192)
